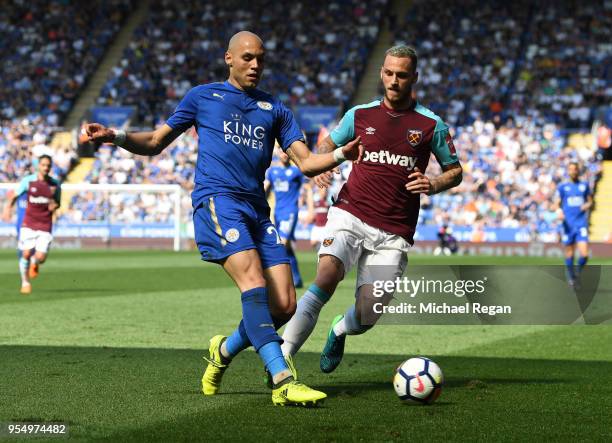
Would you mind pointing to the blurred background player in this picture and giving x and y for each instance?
(22, 204)
(320, 207)
(43, 194)
(373, 220)
(285, 181)
(238, 126)
(573, 203)
(447, 243)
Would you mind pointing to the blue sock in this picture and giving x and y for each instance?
(295, 270)
(569, 264)
(257, 319)
(272, 356)
(581, 262)
(238, 341)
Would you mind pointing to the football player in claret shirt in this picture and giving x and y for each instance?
(43, 199)
(574, 200)
(373, 220)
(320, 208)
(237, 126)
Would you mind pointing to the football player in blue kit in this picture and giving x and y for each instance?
(285, 181)
(574, 202)
(237, 126)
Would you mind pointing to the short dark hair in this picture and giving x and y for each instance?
(404, 51)
(45, 156)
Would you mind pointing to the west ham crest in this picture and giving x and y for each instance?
(414, 137)
(328, 241)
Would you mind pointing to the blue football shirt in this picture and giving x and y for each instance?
(22, 204)
(237, 130)
(285, 183)
(573, 196)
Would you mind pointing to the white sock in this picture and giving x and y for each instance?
(34, 260)
(24, 264)
(349, 324)
(302, 323)
(340, 327)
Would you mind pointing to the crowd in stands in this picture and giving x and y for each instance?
(176, 164)
(467, 51)
(507, 77)
(49, 49)
(511, 173)
(24, 140)
(120, 207)
(315, 51)
(566, 73)
(547, 60)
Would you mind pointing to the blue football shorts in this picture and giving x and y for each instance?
(574, 234)
(225, 225)
(286, 224)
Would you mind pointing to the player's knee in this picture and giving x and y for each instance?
(284, 308)
(329, 273)
(250, 281)
(41, 258)
(27, 254)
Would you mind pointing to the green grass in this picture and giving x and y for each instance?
(112, 342)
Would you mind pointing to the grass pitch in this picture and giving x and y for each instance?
(112, 343)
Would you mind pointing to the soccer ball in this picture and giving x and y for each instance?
(418, 380)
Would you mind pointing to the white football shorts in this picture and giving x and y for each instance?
(379, 255)
(31, 239)
(317, 234)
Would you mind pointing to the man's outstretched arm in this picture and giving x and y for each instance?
(141, 143)
(313, 164)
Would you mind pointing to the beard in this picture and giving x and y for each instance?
(399, 96)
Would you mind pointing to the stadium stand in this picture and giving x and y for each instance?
(23, 140)
(47, 52)
(547, 60)
(510, 79)
(566, 70)
(177, 49)
(468, 53)
(59, 45)
(510, 179)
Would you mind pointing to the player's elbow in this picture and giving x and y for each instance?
(157, 144)
(458, 178)
(309, 172)
(306, 168)
(156, 148)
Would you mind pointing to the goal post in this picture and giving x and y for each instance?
(116, 211)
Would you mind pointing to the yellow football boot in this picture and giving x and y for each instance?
(211, 380)
(296, 394)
